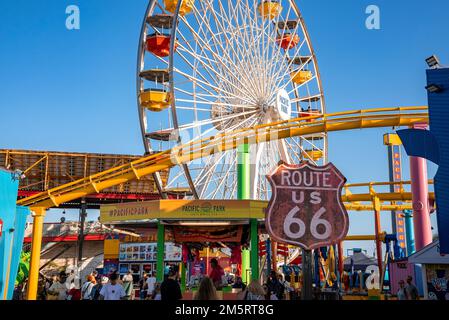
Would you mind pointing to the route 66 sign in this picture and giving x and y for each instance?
(306, 208)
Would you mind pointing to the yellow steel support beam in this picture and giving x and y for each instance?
(366, 237)
(369, 207)
(383, 197)
(36, 244)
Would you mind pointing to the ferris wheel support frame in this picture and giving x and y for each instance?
(139, 86)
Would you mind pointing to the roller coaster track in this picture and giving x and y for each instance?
(304, 126)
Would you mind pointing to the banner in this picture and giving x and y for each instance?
(183, 209)
(147, 252)
(208, 234)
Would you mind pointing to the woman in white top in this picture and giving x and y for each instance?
(59, 288)
(401, 292)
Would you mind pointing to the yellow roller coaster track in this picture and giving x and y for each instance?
(304, 126)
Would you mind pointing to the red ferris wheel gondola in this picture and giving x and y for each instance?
(159, 44)
(288, 41)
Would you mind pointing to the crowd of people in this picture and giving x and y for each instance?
(112, 287)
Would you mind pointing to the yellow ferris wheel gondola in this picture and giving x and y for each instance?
(301, 77)
(155, 99)
(186, 6)
(315, 155)
(270, 9)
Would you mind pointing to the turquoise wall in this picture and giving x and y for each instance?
(11, 240)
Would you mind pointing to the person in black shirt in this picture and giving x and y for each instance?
(238, 284)
(143, 286)
(274, 286)
(170, 289)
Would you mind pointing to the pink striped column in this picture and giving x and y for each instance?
(420, 198)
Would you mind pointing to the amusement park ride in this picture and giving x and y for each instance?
(229, 89)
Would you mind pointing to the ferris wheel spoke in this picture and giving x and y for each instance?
(219, 75)
(202, 98)
(197, 81)
(251, 120)
(206, 173)
(250, 17)
(282, 73)
(286, 71)
(304, 152)
(205, 56)
(277, 56)
(257, 33)
(215, 87)
(216, 103)
(303, 84)
(208, 122)
(220, 54)
(220, 59)
(161, 7)
(225, 178)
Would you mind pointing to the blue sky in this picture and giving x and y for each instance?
(67, 90)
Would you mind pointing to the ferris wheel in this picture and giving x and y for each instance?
(207, 67)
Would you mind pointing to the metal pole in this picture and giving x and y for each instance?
(33, 279)
(420, 197)
(340, 258)
(160, 252)
(254, 250)
(83, 215)
(268, 250)
(183, 276)
(307, 266)
(274, 255)
(243, 193)
(378, 240)
(245, 265)
(243, 172)
(207, 260)
(377, 227)
(409, 232)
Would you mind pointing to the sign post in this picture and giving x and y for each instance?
(307, 275)
(306, 210)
